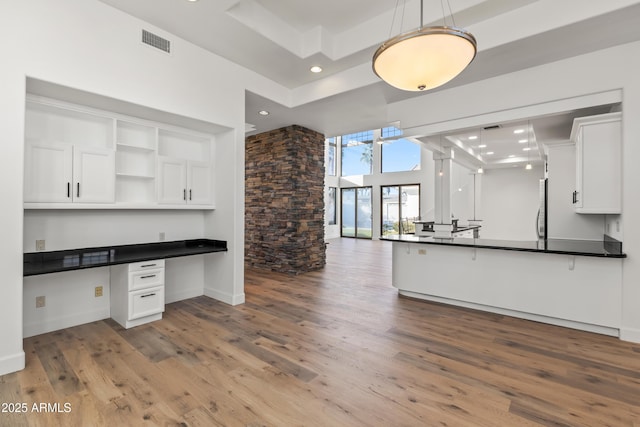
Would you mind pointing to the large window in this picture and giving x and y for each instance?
(331, 206)
(331, 156)
(357, 216)
(400, 207)
(357, 153)
(398, 155)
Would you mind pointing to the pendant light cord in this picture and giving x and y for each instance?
(444, 13)
(393, 20)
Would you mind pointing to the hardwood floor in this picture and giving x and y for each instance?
(336, 347)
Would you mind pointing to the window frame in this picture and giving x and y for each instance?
(334, 220)
(358, 137)
(355, 231)
(382, 187)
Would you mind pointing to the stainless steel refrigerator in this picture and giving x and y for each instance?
(541, 219)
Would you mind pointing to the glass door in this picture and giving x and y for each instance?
(400, 207)
(357, 215)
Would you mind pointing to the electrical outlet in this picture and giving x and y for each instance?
(40, 245)
(40, 302)
(98, 292)
(161, 236)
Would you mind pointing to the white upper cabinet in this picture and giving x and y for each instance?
(172, 187)
(79, 157)
(93, 175)
(184, 169)
(69, 155)
(199, 183)
(63, 173)
(598, 142)
(48, 172)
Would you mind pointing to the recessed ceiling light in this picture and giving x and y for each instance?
(517, 131)
(263, 112)
(192, 1)
(472, 137)
(511, 155)
(526, 149)
(482, 146)
(489, 153)
(316, 69)
(522, 141)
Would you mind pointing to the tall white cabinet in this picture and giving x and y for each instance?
(79, 157)
(598, 142)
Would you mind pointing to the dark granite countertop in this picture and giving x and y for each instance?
(609, 248)
(75, 259)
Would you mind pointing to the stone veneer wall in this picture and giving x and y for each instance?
(284, 200)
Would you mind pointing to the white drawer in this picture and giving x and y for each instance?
(146, 279)
(146, 265)
(146, 302)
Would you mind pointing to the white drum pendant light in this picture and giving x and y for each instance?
(425, 58)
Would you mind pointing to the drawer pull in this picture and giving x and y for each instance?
(148, 265)
(148, 295)
(148, 277)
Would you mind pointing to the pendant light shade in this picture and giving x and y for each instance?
(425, 58)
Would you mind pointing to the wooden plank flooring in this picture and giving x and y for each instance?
(336, 347)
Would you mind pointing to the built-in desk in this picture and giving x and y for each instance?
(75, 259)
(126, 282)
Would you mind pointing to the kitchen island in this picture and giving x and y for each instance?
(569, 283)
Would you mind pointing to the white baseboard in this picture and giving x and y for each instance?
(630, 334)
(12, 363)
(182, 295)
(224, 296)
(604, 330)
(55, 324)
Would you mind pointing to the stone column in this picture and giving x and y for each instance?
(284, 200)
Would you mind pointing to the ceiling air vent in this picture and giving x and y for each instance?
(156, 41)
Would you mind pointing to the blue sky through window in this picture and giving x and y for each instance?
(398, 155)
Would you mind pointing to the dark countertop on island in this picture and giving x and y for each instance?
(76, 259)
(609, 248)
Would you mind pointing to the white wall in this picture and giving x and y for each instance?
(605, 76)
(510, 203)
(68, 229)
(90, 46)
(563, 222)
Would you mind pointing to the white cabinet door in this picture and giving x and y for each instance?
(172, 183)
(93, 175)
(199, 183)
(598, 165)
(48, 172)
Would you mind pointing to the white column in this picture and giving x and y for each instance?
(442, 218)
